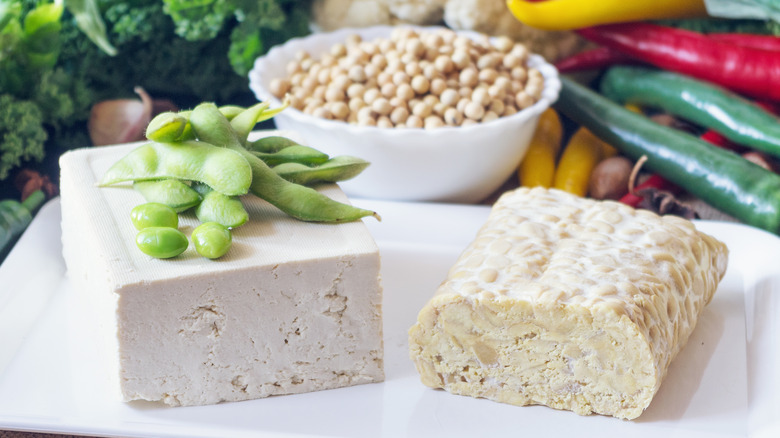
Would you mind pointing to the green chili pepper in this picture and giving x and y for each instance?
(340, 168)
(697, 101)
(194, 161)
(171, 192)
(225, 210)
(721, 178)
(296, 200)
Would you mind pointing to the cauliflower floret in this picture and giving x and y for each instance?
(491, 17)
(417, 11)
(494, 18)
(335, 14)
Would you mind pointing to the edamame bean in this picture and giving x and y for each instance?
(171, 192)
(222, 169)
(225, 210)
(293, 154)
(211, 240)
(166, 127)
(336, 169)
(161, 242)
(153, 214)
(298, 201)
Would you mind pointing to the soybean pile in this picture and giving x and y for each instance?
(201, 160)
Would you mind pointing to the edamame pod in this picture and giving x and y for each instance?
(171, 192)
(225, 210)
(293, 154)
(231, 111)
(223, 170)
(166, 127)
(340, 168)
(245, 121)
(296, 200)
(270, 144)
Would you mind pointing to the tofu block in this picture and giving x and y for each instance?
(292, 307)
(567, 302)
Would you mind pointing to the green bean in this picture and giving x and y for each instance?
(336, 169)
(270, 144)
(293, 154)
(225, 210)
(166, 127)
(298, 201)
(211, 240)
(224, 170)
(153, 214)
(171, 192)
(161, 242)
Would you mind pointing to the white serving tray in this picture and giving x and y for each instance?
(725, 383)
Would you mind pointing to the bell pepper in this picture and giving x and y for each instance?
(744, 69)
(707, 105)
(538, 165)
(576, 14)
(582, 153)
(719, 177)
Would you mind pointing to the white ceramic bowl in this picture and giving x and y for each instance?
(449, 164)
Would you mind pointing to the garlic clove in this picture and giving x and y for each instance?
(120, 120)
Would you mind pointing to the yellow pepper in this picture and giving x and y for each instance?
(538, 165)
(576, 14)
(580, 156)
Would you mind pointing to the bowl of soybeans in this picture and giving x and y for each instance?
(441, 115)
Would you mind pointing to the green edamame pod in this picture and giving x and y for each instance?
(153, 214)
(224, 170)
(166, 127)
(187, 134)
(340, 168)
(293, 154)
(211, 240)
(161, 242)
(171, 192)
(245, 121)
(231, 111)
(270, 144)
(225, 210)
(298, 201)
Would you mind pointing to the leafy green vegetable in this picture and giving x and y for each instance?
(21, 131)
(87, 16)
(260, 24)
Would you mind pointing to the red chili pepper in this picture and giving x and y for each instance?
(719, 140)
(593, 59)
(754, 72)
(654, 181)
(765, 42)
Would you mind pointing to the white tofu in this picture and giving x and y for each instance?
(567, 302)
(292, 307)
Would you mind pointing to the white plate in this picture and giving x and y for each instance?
(725, 383)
